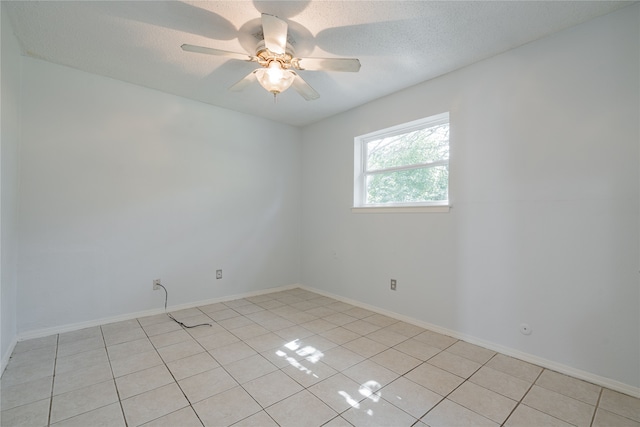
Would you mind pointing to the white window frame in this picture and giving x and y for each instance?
(360, 174)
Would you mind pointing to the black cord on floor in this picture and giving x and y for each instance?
(166, 297)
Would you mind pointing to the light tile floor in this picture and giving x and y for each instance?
(291, 358)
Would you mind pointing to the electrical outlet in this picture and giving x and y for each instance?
(156, 284)
(218, 274)
(393, 284)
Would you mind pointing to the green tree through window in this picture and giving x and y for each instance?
(404, 165)
(426, 179)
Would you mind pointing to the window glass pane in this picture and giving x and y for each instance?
(413, 185)
(416, 147)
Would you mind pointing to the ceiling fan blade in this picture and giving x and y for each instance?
(275, 33)
(250, 78)
(327, 64)
(303, 88)
(217, 52)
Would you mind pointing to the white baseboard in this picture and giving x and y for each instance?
(7, 355)
(530, 358)
(45, 332)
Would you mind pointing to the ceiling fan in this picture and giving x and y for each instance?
(277, 61)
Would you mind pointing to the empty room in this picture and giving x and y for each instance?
(320, 213)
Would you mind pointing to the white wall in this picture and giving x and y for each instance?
(121, 185)
(544, 185)
(9, 123)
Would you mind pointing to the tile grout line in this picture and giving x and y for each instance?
(519, 402)
(552, 416)
(206, 351)
(277, 369)
(114, 378)
(595, 406)
(304, 388)
(338, 414)
(593, 417)
(418, 419)
(459, 385)
(53, 379)
(171, 373)
(222, 366)
(228, 373)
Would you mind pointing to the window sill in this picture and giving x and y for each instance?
(401, 209)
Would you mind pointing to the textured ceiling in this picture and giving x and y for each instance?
(399, 43)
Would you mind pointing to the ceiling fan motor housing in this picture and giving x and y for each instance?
(265, 56)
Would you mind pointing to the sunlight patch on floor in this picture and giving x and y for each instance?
(307, 352)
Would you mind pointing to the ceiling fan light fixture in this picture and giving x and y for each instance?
(274, 79)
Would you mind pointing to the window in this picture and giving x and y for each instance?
(406, 166)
